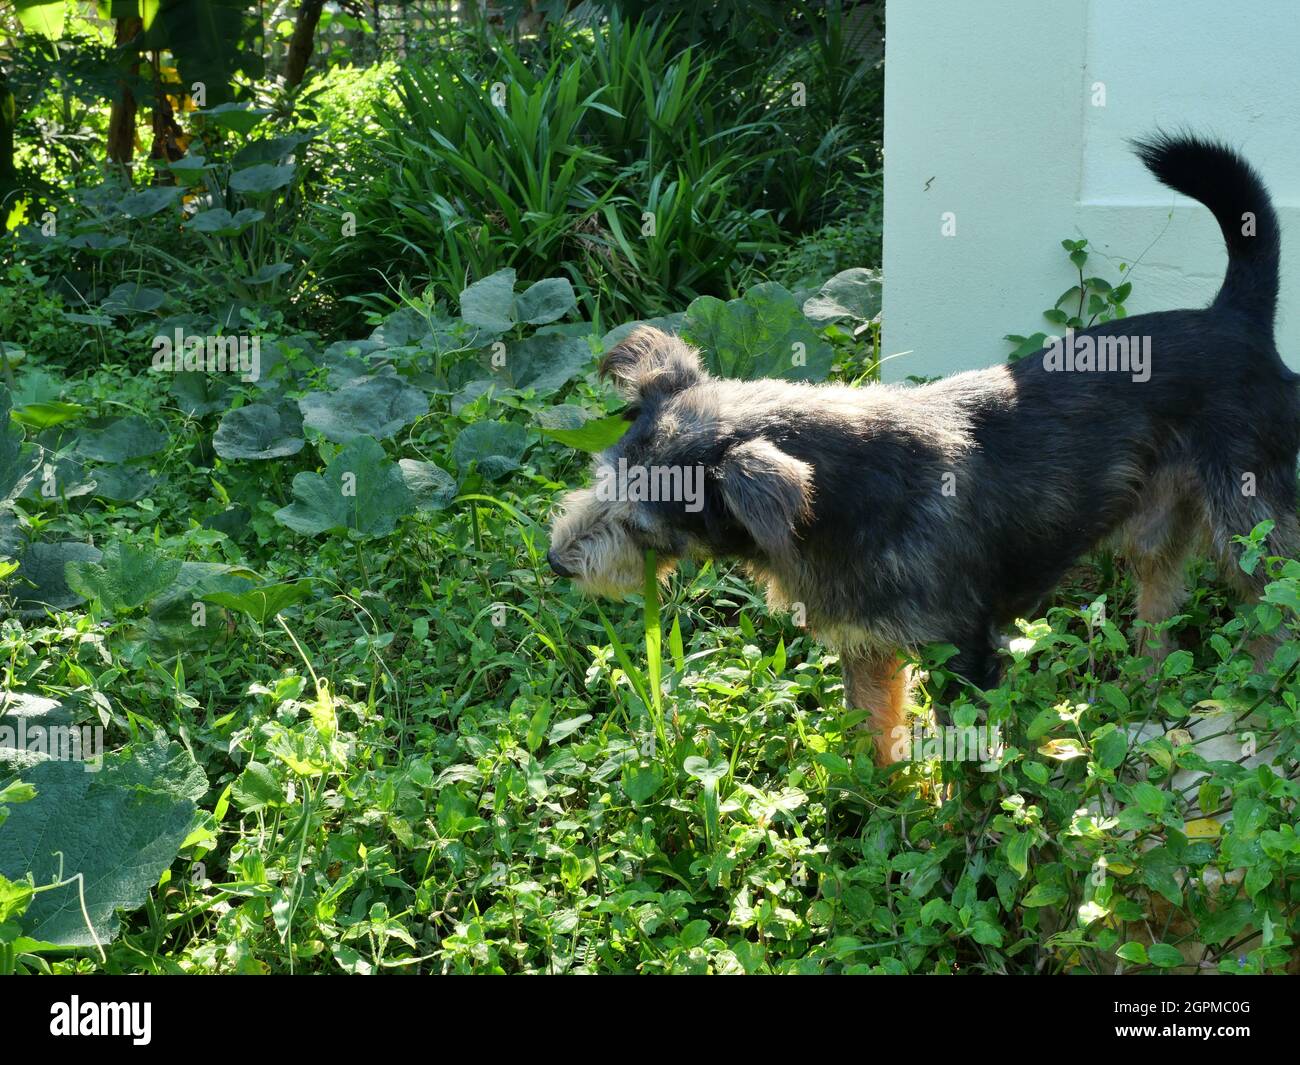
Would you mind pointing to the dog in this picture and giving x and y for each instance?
(904, 515)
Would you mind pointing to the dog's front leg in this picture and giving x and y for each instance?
(877, 681)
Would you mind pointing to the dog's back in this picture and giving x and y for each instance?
(898, 516)
(1146, 425)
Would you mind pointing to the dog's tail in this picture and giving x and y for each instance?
(1221, 179)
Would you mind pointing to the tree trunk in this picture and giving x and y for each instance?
(8, 122)
(121, 120)
(303, 41)
(167, 135)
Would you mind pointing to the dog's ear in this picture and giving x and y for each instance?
(767, 491)
(650, 362)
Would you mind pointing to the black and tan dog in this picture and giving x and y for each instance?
(899, 516)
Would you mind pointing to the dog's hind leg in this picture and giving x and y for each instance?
(1157, 544)
(1236, 513)
(878, 682)
(976, 661)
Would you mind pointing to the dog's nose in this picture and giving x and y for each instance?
(560, 568)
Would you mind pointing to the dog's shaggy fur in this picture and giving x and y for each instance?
(899, 516)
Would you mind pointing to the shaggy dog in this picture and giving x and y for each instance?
(899, 516)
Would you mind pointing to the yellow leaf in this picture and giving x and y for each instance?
(1062, 750)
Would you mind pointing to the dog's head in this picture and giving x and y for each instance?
(695, 473)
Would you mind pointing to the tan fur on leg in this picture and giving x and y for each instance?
(1157, 540)
(878, 682)
(1162, 588)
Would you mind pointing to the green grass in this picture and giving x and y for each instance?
(408, 747)
(445, 761)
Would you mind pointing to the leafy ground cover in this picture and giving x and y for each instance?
(340, 717)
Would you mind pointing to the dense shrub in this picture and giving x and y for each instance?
(647, 174)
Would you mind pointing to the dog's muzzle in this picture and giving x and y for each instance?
(559, 567)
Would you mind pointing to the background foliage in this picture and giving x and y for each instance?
(365, 732)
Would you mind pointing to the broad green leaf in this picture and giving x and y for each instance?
(235, 116)
(198, 393)
(60, 478)
(14, 897)
(130, 298)
(496, 447)
(669, 323)
(161, 766)
(545, 363)
(271, 149)
(762, 334)
(41, 582)
(641, 782)
(221, 223)
(563, 416)
(851, 294)
(405, 326)
(119, 441)
(1165, 956)
(175, 605)
(127, 576)
(376, 406)
(42, 17)
(46, 415)
(360, 490)
(1227, 921)
(268, 273)
(1133, 952)
(117, 829)
(1017, 851)
(595, 435)
(149, 201)
(1150, 799)
(705, 772)
(18, 462)
(545, 301)
(432, 487)
(189, 169)
(257, 788)
(120, 484)
(1109, 750)
(262, 180)
(262, 604)
(566, 728)
(93, 241)
(258, 431)
(12, 542)
(490, 302)
(1045, 895)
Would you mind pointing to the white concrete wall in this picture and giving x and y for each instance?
(989, 114)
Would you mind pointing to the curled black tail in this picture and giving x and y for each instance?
(1221, 179)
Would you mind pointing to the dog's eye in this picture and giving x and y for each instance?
(630, 414)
